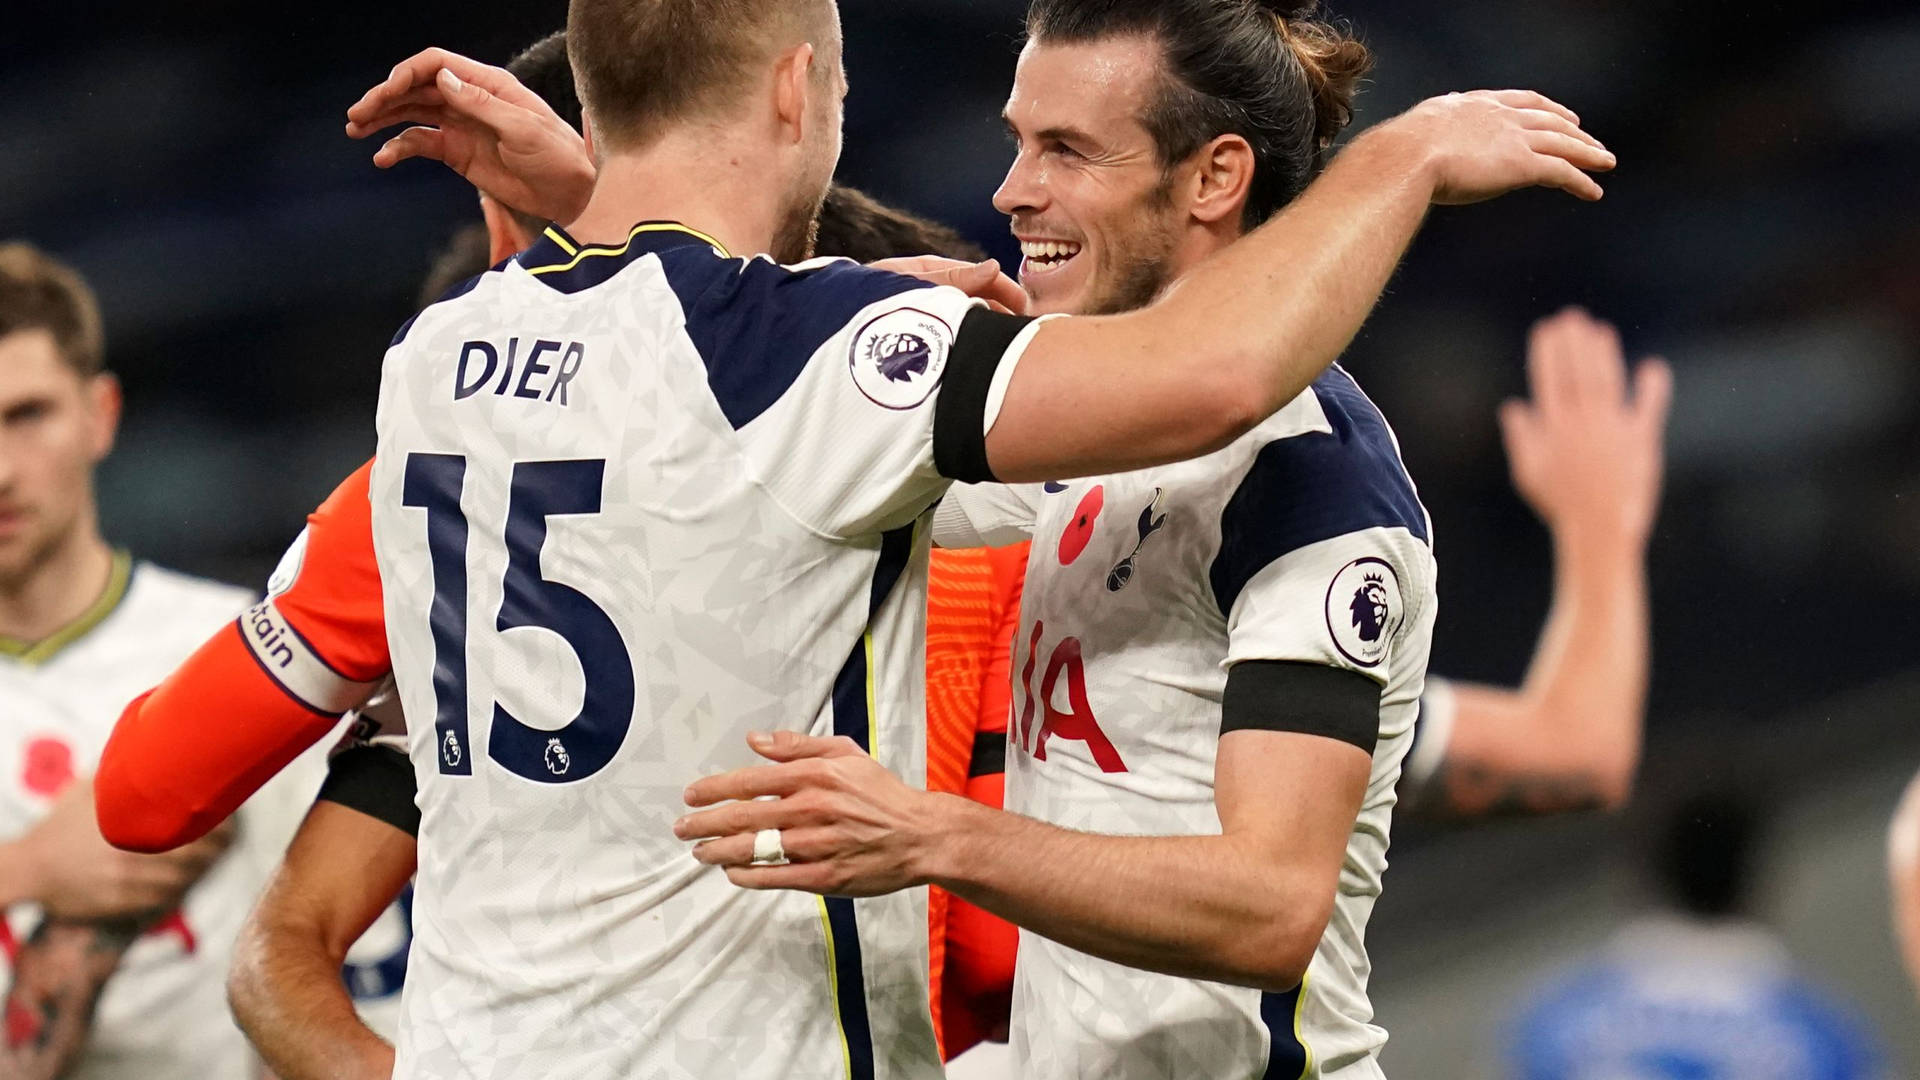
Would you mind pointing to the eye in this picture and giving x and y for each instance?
(27, 412)
(1065, 151)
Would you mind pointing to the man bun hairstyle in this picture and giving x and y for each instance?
(1334, 62)
(38, 292)
(1275, 72)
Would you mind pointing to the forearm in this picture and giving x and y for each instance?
(1234, 341)
(57, 979)
(1591, 666)
(1569, 738)
(1194, 906)
(288, 997)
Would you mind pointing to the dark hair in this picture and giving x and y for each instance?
(466, 256)
(1266, 70)
(856, 226)
(1705, 857)
(37, 292)
(643, 63)
(543, 68)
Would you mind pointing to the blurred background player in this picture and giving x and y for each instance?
(1701, 992)
(113, 963)
(1585, 453)
(1903, 871)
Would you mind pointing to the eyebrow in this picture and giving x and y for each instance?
(1057, 133)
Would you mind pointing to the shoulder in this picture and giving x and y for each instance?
(757, 325)
(1325, 467)
(154, 589)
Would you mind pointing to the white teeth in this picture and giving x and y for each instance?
(1049, 249)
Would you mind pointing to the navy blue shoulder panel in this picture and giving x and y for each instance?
(1309, 488)
(456, 292)
(756, 325)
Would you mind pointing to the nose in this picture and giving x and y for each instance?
(1024, 190)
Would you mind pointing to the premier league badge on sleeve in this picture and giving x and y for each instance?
(1364, 610)
(898, 357)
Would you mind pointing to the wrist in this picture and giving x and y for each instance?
(1599, 549)
(1395, 148)
(940, 857)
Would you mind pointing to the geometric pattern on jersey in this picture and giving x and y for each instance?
(629, 504)
(1303, 541)
(163, 1015)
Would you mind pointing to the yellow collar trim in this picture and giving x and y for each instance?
(578, 254)
(39, 652)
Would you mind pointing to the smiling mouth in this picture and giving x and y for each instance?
(1044, 255)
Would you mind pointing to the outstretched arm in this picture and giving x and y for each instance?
(1247, 906)
(1232, 343)
(1586, 455)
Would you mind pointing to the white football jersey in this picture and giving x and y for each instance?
(164, 1014)
(1302, 541)
(630, 504)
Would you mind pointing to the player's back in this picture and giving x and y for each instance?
(612, 544)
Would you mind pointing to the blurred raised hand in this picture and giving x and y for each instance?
(1585, 453)
(1585, 450)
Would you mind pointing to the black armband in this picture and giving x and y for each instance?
(1311, 699)
(960, 414)
(378, 782)
(989, 754)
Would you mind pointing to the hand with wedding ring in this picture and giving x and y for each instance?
(824, 818)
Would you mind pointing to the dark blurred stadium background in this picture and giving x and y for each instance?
(1761, 233)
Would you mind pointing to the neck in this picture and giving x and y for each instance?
(1199, 243)
(695, 175)
(60, 588)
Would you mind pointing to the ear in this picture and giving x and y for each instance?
(793, 90)
(104, 400)
(586, 135)
(1222, 177)
(505, 237)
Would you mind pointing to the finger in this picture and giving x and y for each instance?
(417, 142)
(748, 817)
(805, 877)
(1600, 364)
(423, 69)
(1546, 371)
(1517, 425)
(915, 265)
(1586, 155)
(1529, 99)
(1557, 172)
(735, 850)
(793, 746)
(1542, 120)
(1653, 392)
(999, 289)
(402, 108)
(752, 783)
